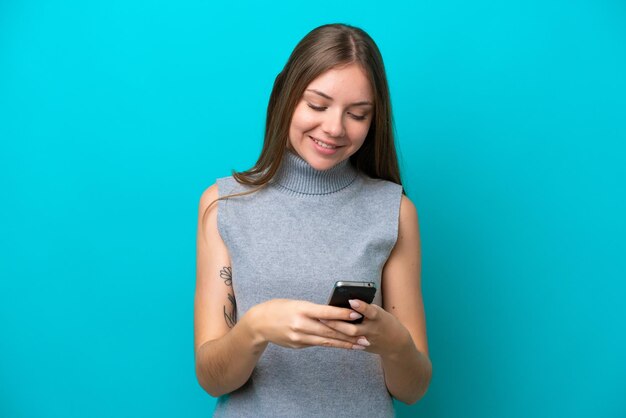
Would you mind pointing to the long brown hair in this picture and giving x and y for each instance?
(326, 47)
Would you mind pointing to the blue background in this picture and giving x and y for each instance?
(116, 115)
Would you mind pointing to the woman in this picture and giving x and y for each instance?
(323, 203)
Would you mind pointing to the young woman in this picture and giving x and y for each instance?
(324, 203)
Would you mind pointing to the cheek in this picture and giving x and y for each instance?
(302, 122)
(300, 126)
(359, 132)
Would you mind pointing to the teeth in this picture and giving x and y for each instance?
(323, 145)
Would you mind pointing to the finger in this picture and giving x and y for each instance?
(331, 312)
(367, 310)
(344, 327)
(348, 329)
(315, 340)
(312, 327)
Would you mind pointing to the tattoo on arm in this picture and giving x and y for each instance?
(230, 312)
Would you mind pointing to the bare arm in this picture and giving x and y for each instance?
(398, 332)
(408, 369)
(226, 363)
(227, 349)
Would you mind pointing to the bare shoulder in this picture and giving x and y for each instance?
(408, 215)
(207, 210)
(209, 195)
(407, 206)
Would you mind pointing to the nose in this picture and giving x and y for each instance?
(333, 124)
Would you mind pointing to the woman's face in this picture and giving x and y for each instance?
(335, 109)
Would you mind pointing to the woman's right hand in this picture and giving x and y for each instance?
(296, 324)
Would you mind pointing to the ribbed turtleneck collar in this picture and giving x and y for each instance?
(299, 177)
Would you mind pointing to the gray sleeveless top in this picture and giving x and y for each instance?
(294, 239)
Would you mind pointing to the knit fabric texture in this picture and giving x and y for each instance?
(294, 239)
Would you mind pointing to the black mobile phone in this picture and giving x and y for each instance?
(345, 290)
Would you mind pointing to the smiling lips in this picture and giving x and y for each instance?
(324, 144)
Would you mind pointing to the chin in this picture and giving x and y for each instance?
(322, 163)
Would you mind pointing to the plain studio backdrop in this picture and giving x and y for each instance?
(116, 115)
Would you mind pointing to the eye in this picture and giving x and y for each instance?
(322, 108)
(318, 108)
(357, 117)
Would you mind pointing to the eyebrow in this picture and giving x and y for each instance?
(326, 96)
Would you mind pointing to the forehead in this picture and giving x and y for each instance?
(346, 84)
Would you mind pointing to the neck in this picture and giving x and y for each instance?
(297, 176)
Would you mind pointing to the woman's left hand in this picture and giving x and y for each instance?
(380, 332)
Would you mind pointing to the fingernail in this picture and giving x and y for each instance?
(354, 303)
(357, 347)
(363, 341)
(355, 315)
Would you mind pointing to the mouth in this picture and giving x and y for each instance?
(325, 144)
